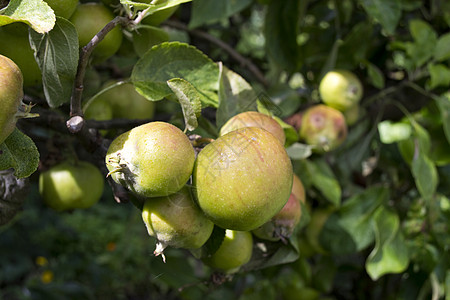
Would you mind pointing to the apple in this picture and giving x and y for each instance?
(323, 127)
(235, 251)
(340, 89)
(176, 221)
(254, 119)
(243, 178)
(126, 102)
(89, 19)
(16, 46)
(71, 185)
(63, 8)
(152, 160)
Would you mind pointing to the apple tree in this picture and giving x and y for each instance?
(178, 149)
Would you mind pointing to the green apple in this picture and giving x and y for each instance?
(152, 160)
(243, 178)
(176, 221)
(126, 102)
(340, 89)
(235, 251)
(11, 95)
(323, 127)
(71, 185)
(63, 8)
(254, 119)
(16, 46)
(89, 19)
(159, 16)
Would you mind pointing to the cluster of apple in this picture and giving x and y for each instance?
(242, 182)
(324, 126)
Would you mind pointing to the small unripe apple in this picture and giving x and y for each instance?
(176, 221)
(63, 8)
(254, 119)
(340, 89)
(70, 185)
(89, 19)
(126, 102)
(243, 178)
(235, 251)
(298, 189)
(282, 225)
(323, 127)
(151, 160)
(16, 45)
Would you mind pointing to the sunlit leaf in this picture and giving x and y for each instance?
(36, 13)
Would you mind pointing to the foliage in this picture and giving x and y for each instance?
(376, 223)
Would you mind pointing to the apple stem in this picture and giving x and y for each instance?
(159, 250)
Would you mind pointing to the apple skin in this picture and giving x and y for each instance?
(176, 221)
(19, 50)
(11, 94)
(340, 89)
(243, 178)
(254, 119)
(235, 251)
(70, 185)
(89, 19)
(152, 160)
(282, 225)
(323, 127)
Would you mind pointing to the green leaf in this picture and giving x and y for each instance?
(334, 238)
(189, 99)
(440, 75)
(375, 75)
(324, 180)
(447, 285)
(299, 151)
(385, 12)
(175, 60)
(356, 215)
(289, 131)
(425, 40)
(442, 50)
(35, 13)
(19, 152)
(145, 37)
(390, 254)
(443, 104)
(391, 132)
(235, 96)
(154, 6)
(207, 12)
(57, 56)
(281, 31)
(425, 175)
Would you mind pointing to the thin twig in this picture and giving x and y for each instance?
(232, 52)
(86, 51)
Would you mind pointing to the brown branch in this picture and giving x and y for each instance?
(85, 53)
(233, 53)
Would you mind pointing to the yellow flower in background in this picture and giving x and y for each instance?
(41, 261)
(47, 276)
